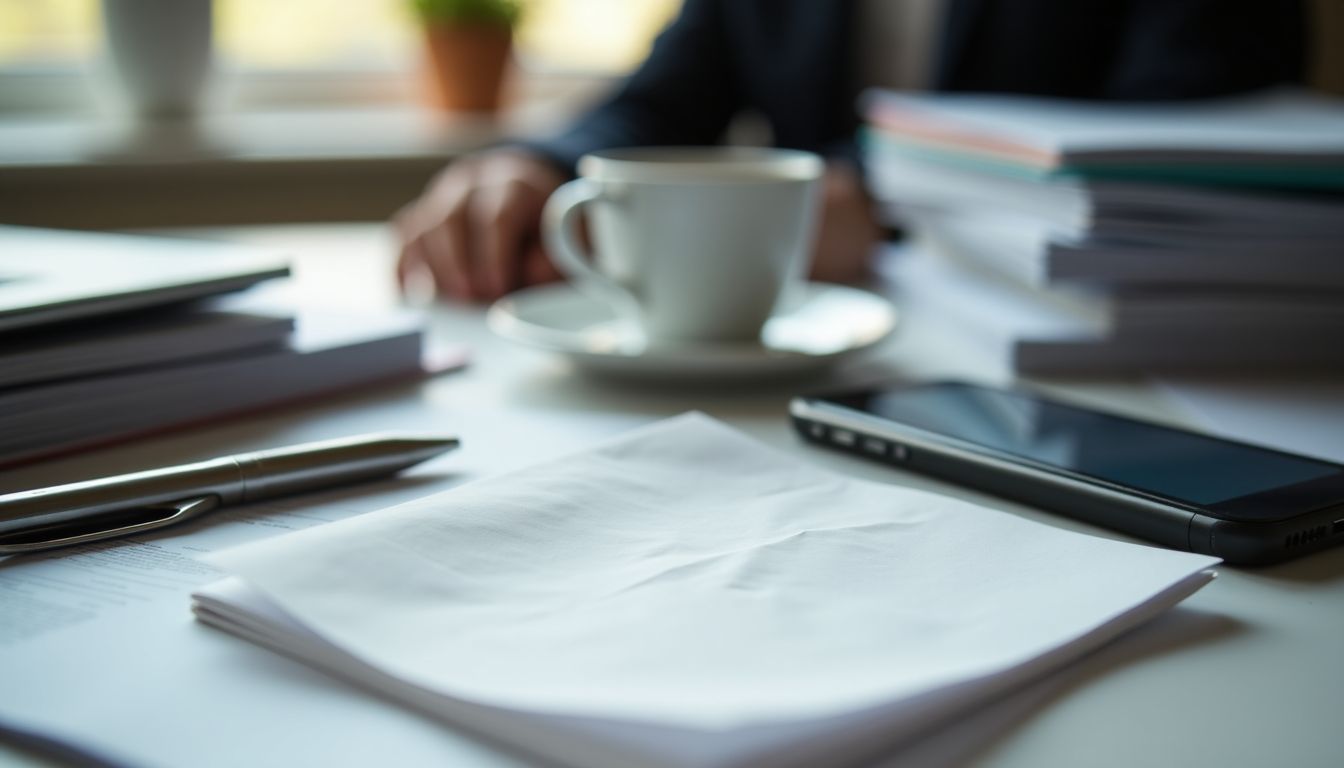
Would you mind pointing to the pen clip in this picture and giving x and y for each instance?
(121, 522)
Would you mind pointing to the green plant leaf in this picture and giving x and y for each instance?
(502, 12)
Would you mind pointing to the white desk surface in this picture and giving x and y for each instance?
(1255, 677)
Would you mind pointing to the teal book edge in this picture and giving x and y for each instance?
(873, 141)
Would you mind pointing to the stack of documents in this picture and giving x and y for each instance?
(683, 596)
(103, 337)
(1233, 208)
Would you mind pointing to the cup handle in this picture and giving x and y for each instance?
(561, 233)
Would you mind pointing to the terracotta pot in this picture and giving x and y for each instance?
(467, 63)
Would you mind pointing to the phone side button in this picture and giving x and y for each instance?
(899, 452)
(874, 446)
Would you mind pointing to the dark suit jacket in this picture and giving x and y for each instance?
(790, 60)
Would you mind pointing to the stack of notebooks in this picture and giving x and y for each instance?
(104, 337)
(1068, 237)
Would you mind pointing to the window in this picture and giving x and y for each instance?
(52, 34)
(335, 50)
(592, 35)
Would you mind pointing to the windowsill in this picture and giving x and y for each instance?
(317, 134)
(257, 166)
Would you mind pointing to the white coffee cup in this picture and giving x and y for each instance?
(690, 245)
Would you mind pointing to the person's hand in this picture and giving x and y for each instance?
(848, 231)
(476, 228)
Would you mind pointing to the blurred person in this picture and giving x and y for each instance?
(800, 64)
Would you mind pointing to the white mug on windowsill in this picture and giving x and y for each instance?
(690, 245)
(160, 55)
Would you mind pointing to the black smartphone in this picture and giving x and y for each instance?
(1246, 504)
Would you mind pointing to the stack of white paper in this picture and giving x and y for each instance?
(1275, 138)
(1008, 329)
(683, 596)
(1229, 210)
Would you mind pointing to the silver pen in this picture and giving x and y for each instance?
(121, 505)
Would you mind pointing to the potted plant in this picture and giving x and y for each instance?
(469, 44)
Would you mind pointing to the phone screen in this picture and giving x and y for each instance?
(1179, 465)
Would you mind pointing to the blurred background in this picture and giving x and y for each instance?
(309, 110)
(53, 41)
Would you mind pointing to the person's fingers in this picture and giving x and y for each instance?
(493, 260)
(422, 248)
(472, 225)
(449, 253)
(537, 267)
(848, 232)
(441, 220)
(507, 214)
(522, 184)
(409, 259)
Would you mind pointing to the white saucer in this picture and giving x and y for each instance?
(821, 325)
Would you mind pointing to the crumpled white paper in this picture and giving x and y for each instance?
(686, 576)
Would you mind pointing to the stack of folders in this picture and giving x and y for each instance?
(104, 337)
(1070, 237)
